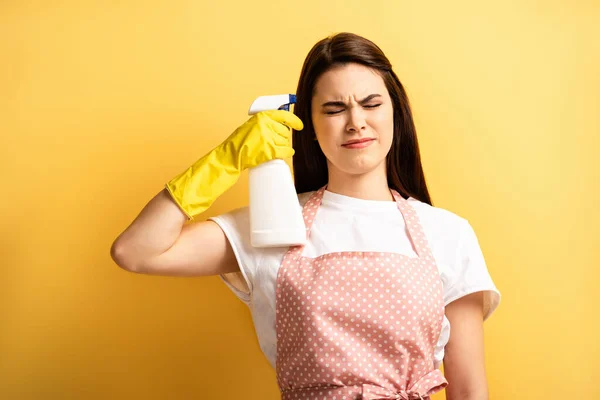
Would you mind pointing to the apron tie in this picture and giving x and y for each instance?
(428, 384)
(374, 392)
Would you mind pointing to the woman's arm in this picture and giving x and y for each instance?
(158, 243)
(464, 362)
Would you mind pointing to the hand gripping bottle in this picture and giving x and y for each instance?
(275, 213)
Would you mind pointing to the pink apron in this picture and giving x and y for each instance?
(359, 325)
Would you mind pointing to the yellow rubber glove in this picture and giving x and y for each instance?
(264, 137)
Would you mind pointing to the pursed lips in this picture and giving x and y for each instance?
(357, 142)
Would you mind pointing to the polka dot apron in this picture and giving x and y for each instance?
(359, 325)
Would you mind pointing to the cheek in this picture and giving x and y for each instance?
(384, 117)
(328, 145)
(385, 127)
(318, 124)
(325, 128)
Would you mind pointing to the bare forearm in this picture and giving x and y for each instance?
(464, 360)
(467, 394)
(153, 232)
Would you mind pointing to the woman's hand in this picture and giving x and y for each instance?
(264, 137)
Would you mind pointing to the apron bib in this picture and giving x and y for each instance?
(359, 325)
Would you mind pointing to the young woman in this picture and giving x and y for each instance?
(387, 286)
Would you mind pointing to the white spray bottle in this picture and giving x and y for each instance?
(275, 213)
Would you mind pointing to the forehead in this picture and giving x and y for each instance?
(350, 80)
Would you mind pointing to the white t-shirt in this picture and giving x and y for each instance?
(345, 223)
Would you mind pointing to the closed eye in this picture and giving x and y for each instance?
(339, 111)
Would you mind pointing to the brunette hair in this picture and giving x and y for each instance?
(404, 169)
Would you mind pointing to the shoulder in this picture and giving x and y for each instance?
(240, 217)
(451, 234)
(235, 224)
(461, 261)
(439, 222)
(444, 231)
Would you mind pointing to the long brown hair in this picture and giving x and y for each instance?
(404, 170)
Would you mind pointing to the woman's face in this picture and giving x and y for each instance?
(353, 117)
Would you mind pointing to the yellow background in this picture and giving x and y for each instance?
(102, 102)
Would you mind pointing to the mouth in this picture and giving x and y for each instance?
(358, 143)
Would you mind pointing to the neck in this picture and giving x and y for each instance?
(372, 185)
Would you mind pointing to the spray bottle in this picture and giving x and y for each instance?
(275, 213)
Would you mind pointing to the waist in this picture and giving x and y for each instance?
(363, 391)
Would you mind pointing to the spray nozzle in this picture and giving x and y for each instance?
(274, 102)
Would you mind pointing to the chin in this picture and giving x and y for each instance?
(358, 166)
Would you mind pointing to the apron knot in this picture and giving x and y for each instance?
(425, 386)
(374, 392)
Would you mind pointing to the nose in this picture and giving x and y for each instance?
(356, 120)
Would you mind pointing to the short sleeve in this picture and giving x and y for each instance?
(236, 227)
(470, 273)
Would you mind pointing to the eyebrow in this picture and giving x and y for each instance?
(342, 104)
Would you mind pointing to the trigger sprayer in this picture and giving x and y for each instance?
(275, 212)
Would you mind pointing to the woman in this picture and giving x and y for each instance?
(386, 288)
